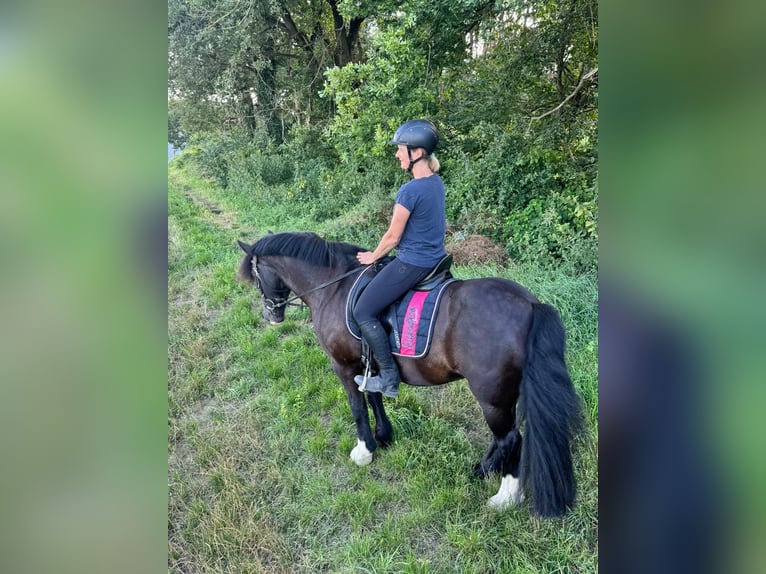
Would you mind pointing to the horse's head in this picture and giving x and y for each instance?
(273, 290)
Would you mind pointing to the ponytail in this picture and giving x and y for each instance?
(433, 164)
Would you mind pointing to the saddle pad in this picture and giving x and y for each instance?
(412, 332)
(411, 319)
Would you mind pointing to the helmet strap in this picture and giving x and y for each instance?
(413, 161)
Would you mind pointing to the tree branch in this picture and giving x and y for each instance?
(583, 80)
(292, 30)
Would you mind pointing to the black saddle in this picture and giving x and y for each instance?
(438, 275)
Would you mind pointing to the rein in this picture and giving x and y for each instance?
(277, 303)
(317, 288)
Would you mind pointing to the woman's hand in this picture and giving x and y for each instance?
(366, 257)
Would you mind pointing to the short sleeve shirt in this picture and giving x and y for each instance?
(422, 243)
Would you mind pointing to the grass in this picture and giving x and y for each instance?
(260, 431)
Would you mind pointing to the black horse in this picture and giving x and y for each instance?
(492, 332)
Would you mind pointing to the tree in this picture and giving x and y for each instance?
(259, 62)
(511, 84)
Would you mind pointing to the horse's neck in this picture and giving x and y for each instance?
(302, 277)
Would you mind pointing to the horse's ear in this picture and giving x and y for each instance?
(245, 247)
(270, 232)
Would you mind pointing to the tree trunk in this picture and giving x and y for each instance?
(345, 40)
(247, 110)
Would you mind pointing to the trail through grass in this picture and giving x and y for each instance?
(260, 431)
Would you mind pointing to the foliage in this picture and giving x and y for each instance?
(259, 64)
(213, 153)
(535, 200)
(187, 121)
(296, 101)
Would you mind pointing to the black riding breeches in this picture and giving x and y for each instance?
(391, 282)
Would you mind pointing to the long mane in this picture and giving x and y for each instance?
(308, 247)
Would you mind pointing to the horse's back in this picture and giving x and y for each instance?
(497, 284)
(493, 300)
(482, 327)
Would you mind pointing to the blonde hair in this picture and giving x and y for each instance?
(433, 163)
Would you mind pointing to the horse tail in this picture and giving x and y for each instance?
(551, 411)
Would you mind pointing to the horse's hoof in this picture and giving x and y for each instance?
(383, 442)
(509, 495)
(498, 505)
(360, 455)
(384, 435)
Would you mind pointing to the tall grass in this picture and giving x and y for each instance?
(260, 429)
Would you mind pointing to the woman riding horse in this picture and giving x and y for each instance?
(417, 229)
(493, 332)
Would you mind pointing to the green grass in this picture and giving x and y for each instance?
(260, 431)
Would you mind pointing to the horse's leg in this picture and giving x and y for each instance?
(488, 464)
(361, 454)
(383, 430)
(510, 493)
(504, 454)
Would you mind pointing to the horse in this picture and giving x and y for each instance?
(492, 332)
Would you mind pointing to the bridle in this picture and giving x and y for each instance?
(281, 298)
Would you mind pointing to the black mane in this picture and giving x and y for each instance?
(308, 247)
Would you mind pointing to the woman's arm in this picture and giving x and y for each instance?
(390, 238)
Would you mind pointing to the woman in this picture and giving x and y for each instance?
(417, 228)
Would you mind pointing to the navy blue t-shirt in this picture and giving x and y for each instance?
(422, 242)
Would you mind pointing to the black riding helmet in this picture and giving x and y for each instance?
(415, 134)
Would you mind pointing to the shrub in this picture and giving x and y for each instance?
(534, 199)
(215, 152)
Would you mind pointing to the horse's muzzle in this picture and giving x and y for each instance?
(274, 316)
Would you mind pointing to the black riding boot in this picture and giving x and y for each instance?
(387, 381)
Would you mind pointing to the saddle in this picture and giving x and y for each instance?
(409, 320)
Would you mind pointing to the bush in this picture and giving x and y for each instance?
(253, 167)
(535, 200)
(213, 153)
(547, 231)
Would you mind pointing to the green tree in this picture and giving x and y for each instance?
(512, 86)
(258, 63)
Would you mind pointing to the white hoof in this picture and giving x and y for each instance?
(508, 495)
(360, 455)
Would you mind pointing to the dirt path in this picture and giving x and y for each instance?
(218, 215)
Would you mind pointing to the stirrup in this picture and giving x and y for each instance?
(361, 382)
